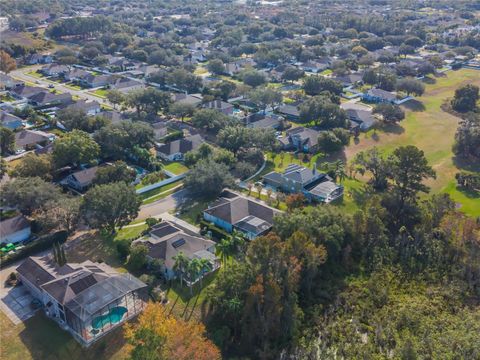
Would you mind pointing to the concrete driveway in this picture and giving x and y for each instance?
(15, 302)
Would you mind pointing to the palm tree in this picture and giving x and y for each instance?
(237, 241)
(249, 187)
(181, 264)
(259, 189)
(340, 170)
(269, 195)
(223, 249)
(205, 266)
(194, 268)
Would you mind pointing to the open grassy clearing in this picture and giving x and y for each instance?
(432, 130)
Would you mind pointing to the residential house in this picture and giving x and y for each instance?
(81, 179)
(176, 150)
(350, 79)
(379, 96)
(315, 66)
(47, 98)
(291, 112)
(39, 59)
(32, 139)
(189, 99)
(94, 81)
(112, 115)
(160, 129)
(126, 85)
(116, 64)
(25, 91)
(302, 139)
(10, 121)
(314, 185)
(55, 70)
(360, 116)
(91, 108)
(8, 83)
(166, 240)
(263, 121)
(219, 105)
(232, 211)
(76, 75)
(14, 230)
(87, 299)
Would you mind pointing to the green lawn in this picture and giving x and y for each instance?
(176, 168)
(188, 305)
(42, 338)
(34, 74)
(156, 194)
(432, 130)
(72, 86)
(191, 212)
(130, 232)
(100, 93)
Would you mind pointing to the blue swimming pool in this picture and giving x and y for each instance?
(115, 315)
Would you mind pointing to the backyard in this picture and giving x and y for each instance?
(432, 130)
(41, 338)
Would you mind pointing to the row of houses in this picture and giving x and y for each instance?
(90, 299)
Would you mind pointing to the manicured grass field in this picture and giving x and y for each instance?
(432, 130)
(35, 74)
(176, 168)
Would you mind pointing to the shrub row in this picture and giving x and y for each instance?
(41, 244)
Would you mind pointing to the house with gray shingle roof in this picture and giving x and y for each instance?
(176, 150)
(88, 299)
(232, 211)
(166, 240)
(316, 186)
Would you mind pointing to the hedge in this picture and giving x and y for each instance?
(41, 244)
(217, 233)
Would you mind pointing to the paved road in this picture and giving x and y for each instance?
(171, 202)
(21, 74)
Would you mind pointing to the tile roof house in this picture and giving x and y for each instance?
(166, 240)
(31, 139)
(88, 299)
(299, 179)
(81, 179)
(219, 105)
(14, 230)
(234, 211)
(10, 121)
(176, 150)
